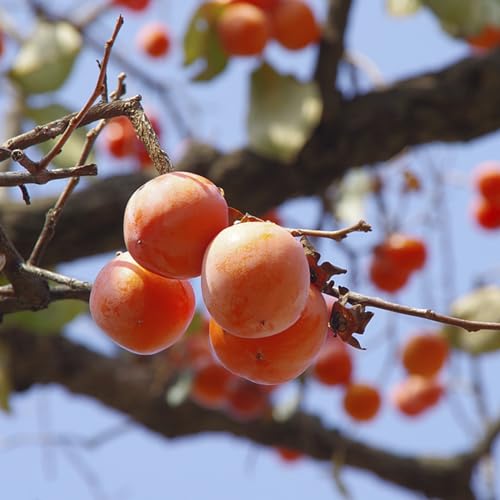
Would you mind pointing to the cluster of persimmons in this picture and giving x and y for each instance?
(267, 324)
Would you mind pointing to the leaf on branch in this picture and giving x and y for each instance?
(465, 17)
(72, 150)
(48, 321)
(345, 321)
(276, 128)
(5, 384)
(351, 194)
(201, 43)
(179, 391)
(320, 273)
(403, 7)
(46, 59)
(482, 304)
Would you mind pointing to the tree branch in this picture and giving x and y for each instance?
(125, 385)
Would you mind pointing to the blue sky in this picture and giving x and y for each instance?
(138, 465)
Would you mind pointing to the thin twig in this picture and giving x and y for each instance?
(338, 235)
(44, 176)
(76, 120)
(471, 326)
(53, 215)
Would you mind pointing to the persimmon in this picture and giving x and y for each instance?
(487, 38)
(170, 221)
(386, 276)
(280, 357)
(425, 354)
(119, 137)
(246, 401)
(486, 214)
(141, 311)
(362, 401)
(487, 181)
(288, 454)
(255, 279)
(210, 385)
(403, 251)
(136, 5)
(266, 5)
(243, 29)
(333, 366)
(416, 394)
(294, 25)
(154, 39)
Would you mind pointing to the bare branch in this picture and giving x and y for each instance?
(44, 176)
(125, 385)
(338, 235)
(78, 118)
(471, 326)
(331, 49)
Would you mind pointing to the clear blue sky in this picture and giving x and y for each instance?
(140, 466)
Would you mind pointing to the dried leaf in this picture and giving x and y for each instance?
(320, 273)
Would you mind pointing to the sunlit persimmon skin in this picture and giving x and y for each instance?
(141, 311)
(416, 394)
(425, 354)
(333, 366)
(255, 279)
(243, 29)
(293, 24)
(210, 385)
(170, 221)
(246, 401)
(362, 401)
(281, 357)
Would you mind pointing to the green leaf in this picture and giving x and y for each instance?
(465, 17)
(201, 43)
(351, 196)
(178, 392)
(5, 384)
(403, 7)
(72, 150)
(283, 113)
(48, 321)
(46, 59)
(483, 304)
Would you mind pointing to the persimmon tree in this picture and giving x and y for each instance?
(278, 309)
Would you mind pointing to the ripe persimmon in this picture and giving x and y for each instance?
(362, 401)
(487, 181)
(333, 366)
(294, 25)
(210, 385)
(246, 401)
(255, 279)
(170, 220)
(425, 354)
(280, 357)
(141, 311)
(154, 39)
(243, 29)
(416, 394)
